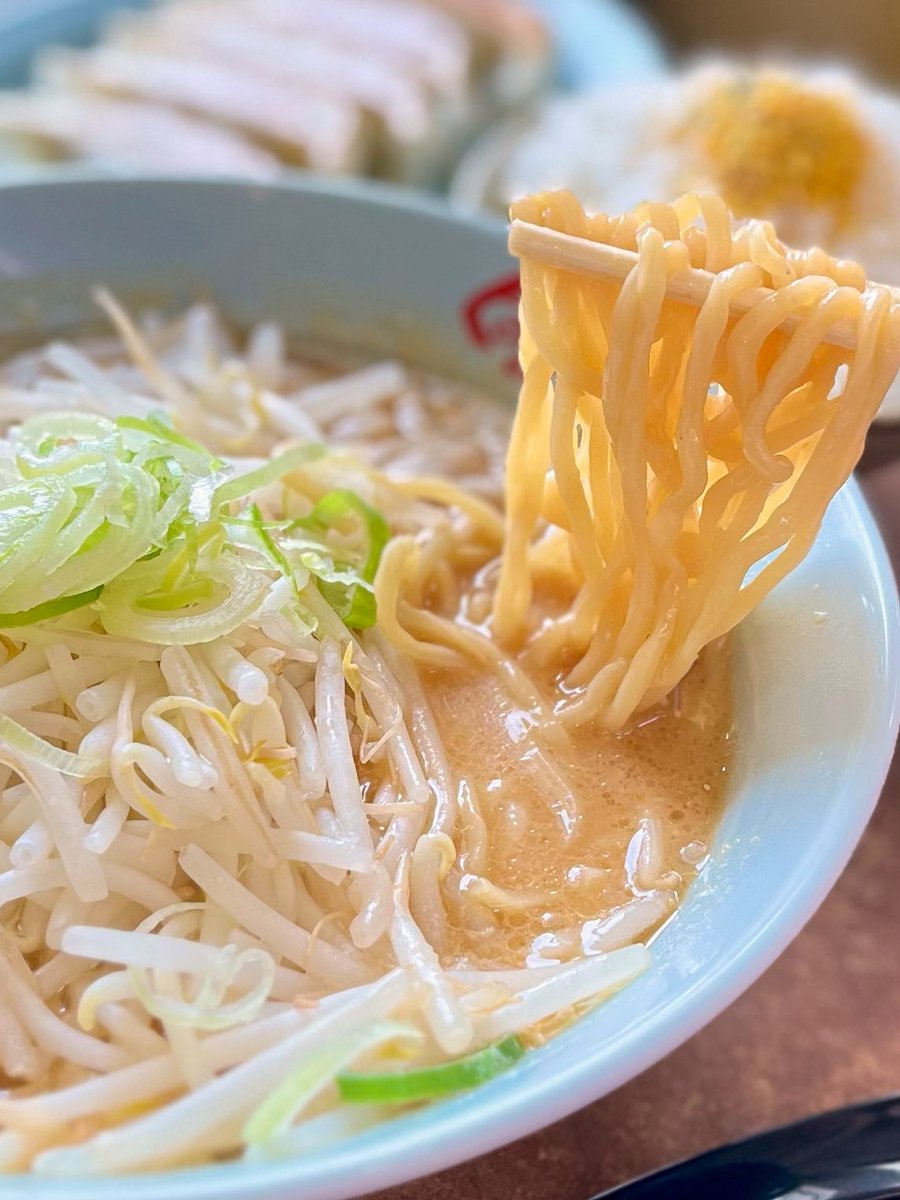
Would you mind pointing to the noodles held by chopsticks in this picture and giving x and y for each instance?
(669, 465)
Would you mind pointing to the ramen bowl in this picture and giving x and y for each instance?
(815, 671)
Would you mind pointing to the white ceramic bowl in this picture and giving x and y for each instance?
(815, 673)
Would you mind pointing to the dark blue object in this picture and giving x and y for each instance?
(850, 1154)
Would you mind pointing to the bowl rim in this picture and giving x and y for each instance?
(381, 193)
(413, 1149)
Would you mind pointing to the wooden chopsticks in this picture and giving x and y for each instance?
(600, 261)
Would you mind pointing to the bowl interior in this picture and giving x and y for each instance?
(815, 670)
(391, 275)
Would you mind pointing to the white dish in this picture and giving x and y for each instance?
(815, 674)
(595, 42)
(598, 40)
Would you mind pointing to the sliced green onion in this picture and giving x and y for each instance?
(57, 443)
(240, 590)
(93, 497)
(271, 548)
(208, 1010)
(133, 507)
(158, 428)
(29, 745)
(426, 1083)
(32, 514)
(354, 604)
(332, 511)
(108, 549)
(283, 1104)
(196, 592)
(50, 608)
(252, 481)
(353, 601)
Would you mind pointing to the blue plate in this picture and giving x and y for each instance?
(597, 40)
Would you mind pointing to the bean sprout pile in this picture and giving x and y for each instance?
(229, 833)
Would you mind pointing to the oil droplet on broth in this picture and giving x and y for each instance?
(571, 852)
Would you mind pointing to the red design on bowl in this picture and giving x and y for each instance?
(491, 319)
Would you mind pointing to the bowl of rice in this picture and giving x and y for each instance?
(811, 147)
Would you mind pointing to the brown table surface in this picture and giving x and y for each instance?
(757, 1065)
